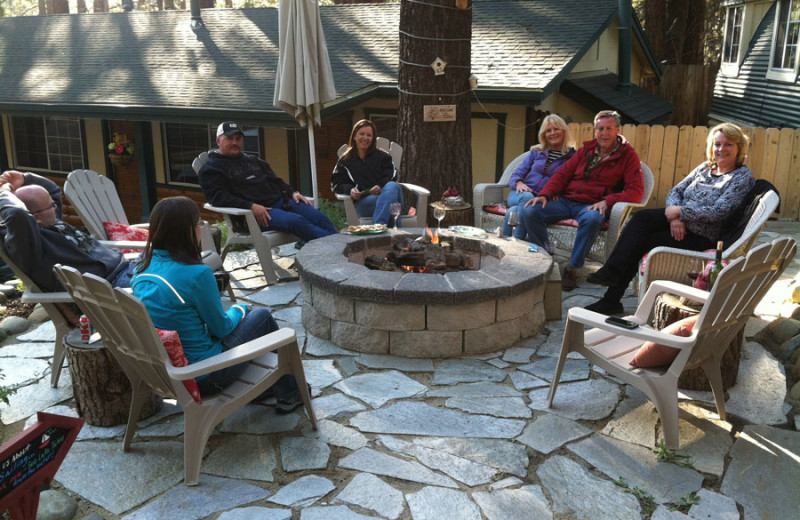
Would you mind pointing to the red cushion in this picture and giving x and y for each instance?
(655, 354)
(117, 231)
(497, 209)
(571, 222)
(172, 344)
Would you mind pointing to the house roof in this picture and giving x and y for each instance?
(749, 98)
(151, 65)
(635, 104)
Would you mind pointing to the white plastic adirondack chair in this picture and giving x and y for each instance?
(49, 301)
(250, 233)
(417, 220)
(96, 200)
(128, 333)
(726, 309)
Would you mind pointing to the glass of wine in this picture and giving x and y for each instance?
(439, 214)
(394, 209)
(695, 268)
(513, 215)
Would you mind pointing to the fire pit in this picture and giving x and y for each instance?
(485, 309)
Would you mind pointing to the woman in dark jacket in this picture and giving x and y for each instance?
(367, 174)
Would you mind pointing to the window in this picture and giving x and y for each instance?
(184, 142)
(733, 34)
(47, 143)
(783, 62)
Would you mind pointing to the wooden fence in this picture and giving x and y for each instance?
(672, 152)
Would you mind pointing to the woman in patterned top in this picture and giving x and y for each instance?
(696, 209)
(555, 147)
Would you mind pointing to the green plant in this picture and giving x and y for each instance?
(335, 212)
(647, 502)
(686, 501)
(5, 391)
(665, 454)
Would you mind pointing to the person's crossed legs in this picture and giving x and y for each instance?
(304, 220)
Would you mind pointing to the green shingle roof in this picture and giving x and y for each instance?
(152, 65)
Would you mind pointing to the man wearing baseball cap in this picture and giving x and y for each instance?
(232, 178)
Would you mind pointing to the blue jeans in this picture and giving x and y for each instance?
(304, 220)
(257, 323)
(517, 199)
(377, 206)
(589, 224)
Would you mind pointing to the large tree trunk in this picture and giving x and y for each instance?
(100, 6)
(676, 29)
(59, 7)
(437, 154)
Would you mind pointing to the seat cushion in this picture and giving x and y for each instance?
(496, 209)
(117, 231)
(571, 222)
(653, 354)
(172, 344)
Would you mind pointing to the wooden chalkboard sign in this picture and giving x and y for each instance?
(31, 459)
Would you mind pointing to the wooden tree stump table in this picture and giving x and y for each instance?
(669, 309)
(101, 390)
(459, 215)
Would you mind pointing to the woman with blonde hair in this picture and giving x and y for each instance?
(697, 208)
(555, 147)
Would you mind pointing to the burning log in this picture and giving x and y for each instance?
(378, 263)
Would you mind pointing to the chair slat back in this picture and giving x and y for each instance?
(766, 206)
(649, 183)
(738, 289)
(95, 199)
(126, 329)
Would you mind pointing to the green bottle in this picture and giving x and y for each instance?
(716, 268)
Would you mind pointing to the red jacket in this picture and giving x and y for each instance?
(617, 179)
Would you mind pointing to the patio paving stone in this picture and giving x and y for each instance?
(376, 389)
(335, 405)
(337, 435)
(258, 420)
(333, 513)
(590, 400)
(262, 513)
(421, 419)
(370, 492)
(503, 504)
(303, 492)
(549, 432)
(432, 503)
(454, 371)
(506, 456)
(480, 389)
(508, 407)
(372, 461)
(249, 457)
(299, 453)
(577, 493)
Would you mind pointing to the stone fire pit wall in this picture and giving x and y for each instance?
(421, 314)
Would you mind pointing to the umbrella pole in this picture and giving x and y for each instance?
(313, 156)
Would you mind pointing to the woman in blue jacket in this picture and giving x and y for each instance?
(555, 147)
(181, 294)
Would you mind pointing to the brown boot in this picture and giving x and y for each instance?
(569, 279)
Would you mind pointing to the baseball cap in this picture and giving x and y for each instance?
(229, 128)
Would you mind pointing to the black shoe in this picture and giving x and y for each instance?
(299, 244)
(607, 307)
(291, 402)
(601, 277)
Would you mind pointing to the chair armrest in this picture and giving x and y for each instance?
(488, 193)
(419, 190)
(123, 244)
(244, 352)
(620, 213)
(143, 225)
(662, 286)
(342, 197)
(47, 297)
(226, 210)
(644, 333)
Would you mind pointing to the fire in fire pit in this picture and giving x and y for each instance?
(425, 254)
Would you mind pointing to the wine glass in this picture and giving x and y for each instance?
(513, 215)
(438, 214)
(695, 267)
(394, 209)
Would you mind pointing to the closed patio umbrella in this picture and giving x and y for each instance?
(304, 80)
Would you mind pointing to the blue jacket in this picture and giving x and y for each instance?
(533, 172)
(193, 309)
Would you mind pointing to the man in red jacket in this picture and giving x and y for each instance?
(606, 170)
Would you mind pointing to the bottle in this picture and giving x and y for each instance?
(716, 268)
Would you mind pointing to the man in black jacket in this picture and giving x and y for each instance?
(235, 179)
(35, 237)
